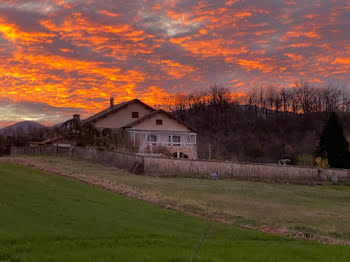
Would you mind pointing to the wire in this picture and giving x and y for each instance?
(204, 237)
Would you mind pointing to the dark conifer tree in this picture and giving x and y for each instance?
(333, 144)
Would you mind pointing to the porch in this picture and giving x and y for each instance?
(179, 143)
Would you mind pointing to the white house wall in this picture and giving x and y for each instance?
(122, 116)
(169, 124)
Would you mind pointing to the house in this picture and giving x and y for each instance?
(147, 130)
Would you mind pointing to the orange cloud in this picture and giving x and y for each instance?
(175, 69)
(211, 48)
(294, 57)
(299, 31)
(153, 95)
(13, 33)
(77, 54)
(253, 65)
(243, 14)
(342, 61)
(231, 2)
(105, 12)
(82, 32)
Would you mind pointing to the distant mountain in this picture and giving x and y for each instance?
(23, 128)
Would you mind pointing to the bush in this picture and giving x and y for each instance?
(305, 160)
(321, 162)
(162, 150)
(333, 145)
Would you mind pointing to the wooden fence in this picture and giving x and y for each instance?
(197, 168)
(121, 160)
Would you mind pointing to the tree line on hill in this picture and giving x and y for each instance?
(265, 125)
(302, 98)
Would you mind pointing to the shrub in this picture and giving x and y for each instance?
(162, 150)
(255, 151)
(333, 144)
(305, 160)
(321, 162)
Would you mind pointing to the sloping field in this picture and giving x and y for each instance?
(51, 218)
(319, 213)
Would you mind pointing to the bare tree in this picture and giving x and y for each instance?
(218, 96)
(285, 95)
(270, 95)
(252, 97)
(345, 100)
(306, 95)
(331, 97)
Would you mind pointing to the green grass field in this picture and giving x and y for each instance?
(321, 213)
(45, 217)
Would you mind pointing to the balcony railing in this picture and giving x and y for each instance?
(171, 144)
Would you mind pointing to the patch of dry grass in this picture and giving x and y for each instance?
(312, 212)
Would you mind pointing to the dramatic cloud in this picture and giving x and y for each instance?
(59, 57)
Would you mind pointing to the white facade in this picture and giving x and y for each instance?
(179, 143)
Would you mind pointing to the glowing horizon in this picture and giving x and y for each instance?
(60, 57)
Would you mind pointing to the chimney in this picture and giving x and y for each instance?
(111, 102)
(76, 117)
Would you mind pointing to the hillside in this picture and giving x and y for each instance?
(22, 129)
(66, 220)
(251, 134)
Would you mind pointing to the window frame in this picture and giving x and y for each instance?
(135, 115)
(150, 140)
(176, 143)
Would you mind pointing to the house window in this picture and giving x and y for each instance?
(135, 114)
(159, 122)
(152, 139)
(176, 140)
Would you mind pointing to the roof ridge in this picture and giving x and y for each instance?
(109, 110)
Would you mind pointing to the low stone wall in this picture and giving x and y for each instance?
(197, 168)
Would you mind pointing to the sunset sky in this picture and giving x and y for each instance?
(60, 57)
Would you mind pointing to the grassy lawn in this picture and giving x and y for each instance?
(51, 218)
(319, 212)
